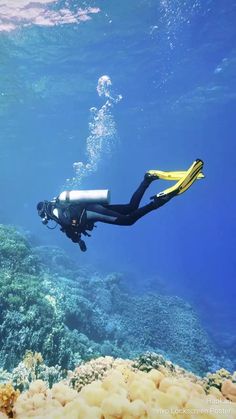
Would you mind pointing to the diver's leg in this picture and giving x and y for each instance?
(135, 199)
(134, 216)
(186, 180)
(103, 213)
(96, 212)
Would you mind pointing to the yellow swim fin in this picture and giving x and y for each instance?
(186, 181)
(175, 175)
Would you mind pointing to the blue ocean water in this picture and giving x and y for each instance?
(169, 96)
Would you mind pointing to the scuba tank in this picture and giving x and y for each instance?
(96, 196)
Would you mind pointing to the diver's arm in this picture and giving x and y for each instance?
(74, 234)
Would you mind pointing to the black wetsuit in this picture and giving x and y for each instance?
(77, 219)
(120, 214)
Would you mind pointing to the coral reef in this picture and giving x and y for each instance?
(217, 378)
(8, 396)
(33, 368)
(5, 376)
(94, 370)
(151, 360)
(228, 389)
(125, 392)
(149, 321)
(32, 310)
(71, 314)
(150, 387)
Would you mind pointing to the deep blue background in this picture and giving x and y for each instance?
(175, 66)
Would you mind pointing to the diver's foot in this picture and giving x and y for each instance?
(182, 185)
(162, 197)
(151, 175)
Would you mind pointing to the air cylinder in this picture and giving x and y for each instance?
(96, 196)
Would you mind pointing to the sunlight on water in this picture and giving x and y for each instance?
(15, 14)
(102, 134)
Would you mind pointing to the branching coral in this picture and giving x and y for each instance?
(216, 379)
(32, 360)
(8, 396)
(32, 368)
(15, 252)
(5, 376)
(152, 361)
(149, 360)
(96, 369)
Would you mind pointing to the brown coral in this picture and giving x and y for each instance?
(228, 390)
(8, 396)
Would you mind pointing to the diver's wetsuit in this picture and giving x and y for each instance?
(76, 219)
(126, 214)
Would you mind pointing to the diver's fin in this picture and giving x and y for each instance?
(186, 181)
(176, 175)
(189, 179)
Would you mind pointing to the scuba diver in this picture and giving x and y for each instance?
(77, 211)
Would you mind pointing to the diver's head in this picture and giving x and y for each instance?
(43, 208)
